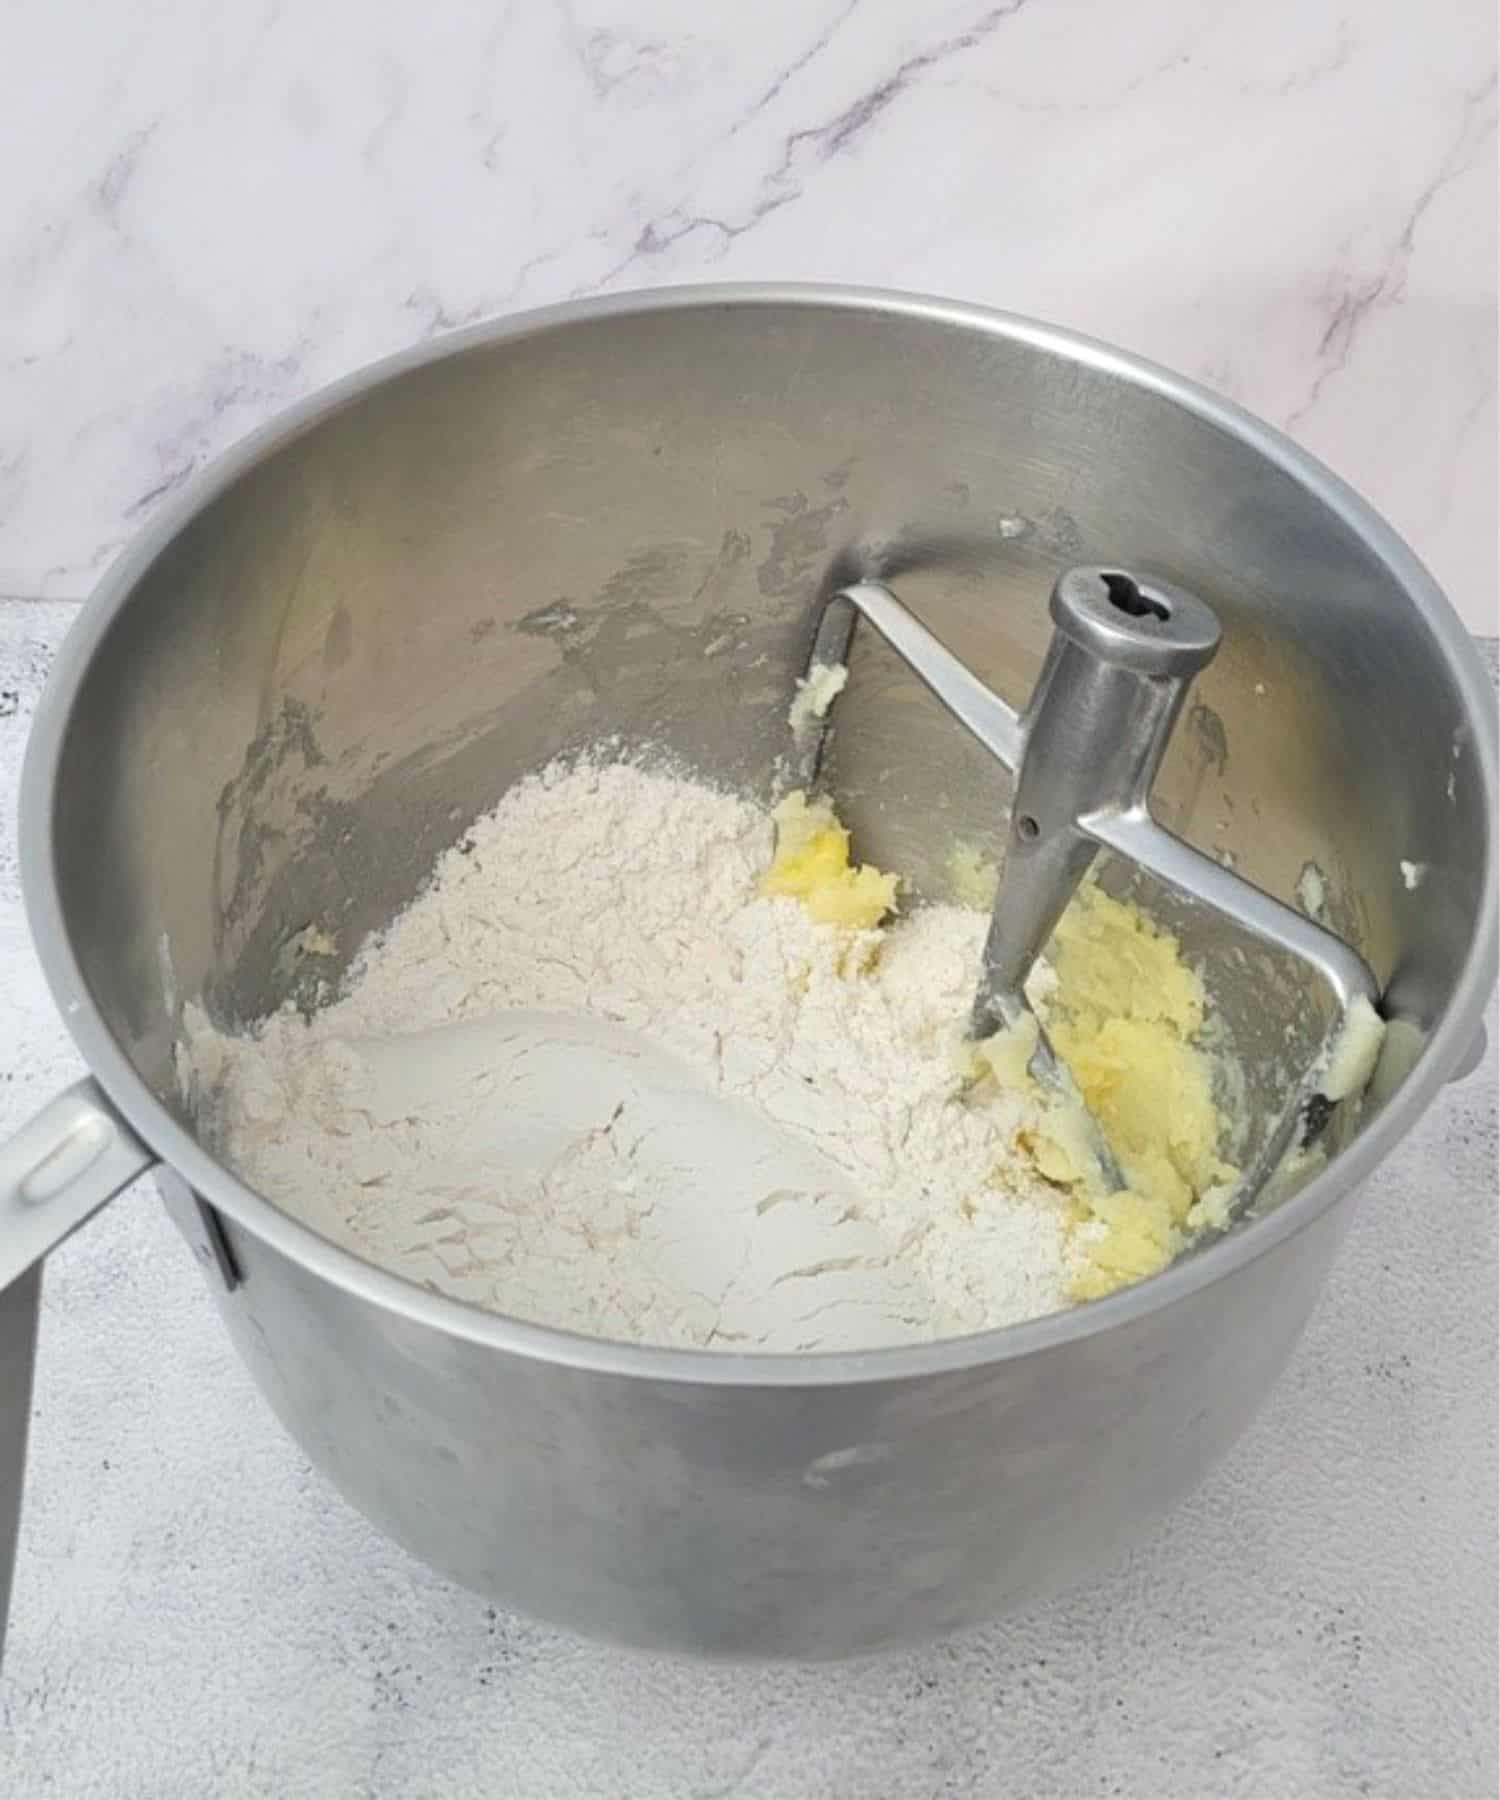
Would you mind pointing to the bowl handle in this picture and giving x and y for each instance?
(1472, 1057)
(55, 1173)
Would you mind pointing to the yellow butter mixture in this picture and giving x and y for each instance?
(812, 865)
(1127, 1019)
(1127, 1016)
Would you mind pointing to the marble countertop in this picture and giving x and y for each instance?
(217, 210)
(220, 208)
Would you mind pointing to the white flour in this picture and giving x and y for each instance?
(590, 1079)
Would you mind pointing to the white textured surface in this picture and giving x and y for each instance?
(212, 209)
(196, 1614)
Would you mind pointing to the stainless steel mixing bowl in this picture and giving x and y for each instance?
(345, 640)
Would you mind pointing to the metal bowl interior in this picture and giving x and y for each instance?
(341, 645)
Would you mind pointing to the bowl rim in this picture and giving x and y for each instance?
(174, 1145)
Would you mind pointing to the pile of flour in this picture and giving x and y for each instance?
(591, 1078)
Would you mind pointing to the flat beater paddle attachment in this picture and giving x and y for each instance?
(1084, 754)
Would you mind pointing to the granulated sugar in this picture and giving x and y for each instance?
(591, 1078)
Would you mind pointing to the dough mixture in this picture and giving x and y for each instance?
(646, 1062)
